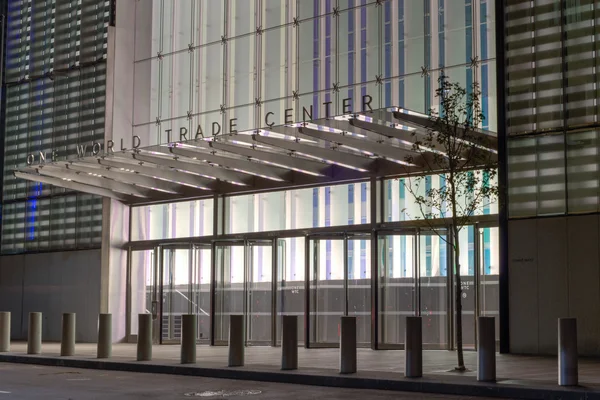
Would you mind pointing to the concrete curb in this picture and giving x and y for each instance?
(421, 385)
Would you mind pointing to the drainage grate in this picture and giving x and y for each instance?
(224, 393)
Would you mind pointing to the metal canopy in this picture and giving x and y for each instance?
(344, 148)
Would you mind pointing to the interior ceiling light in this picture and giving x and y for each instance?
(332, 162)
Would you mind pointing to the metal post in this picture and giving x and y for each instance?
(34, 337)
(104, 349)
(188, 339)
(486, 350)
(413, 348)
(67, 343)
(236, 341)
(144, 343)
(567, 352)
(4, 331)
(347, 345)
(289, 342)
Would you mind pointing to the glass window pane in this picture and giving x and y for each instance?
(290, 285)
(241, 60)
(397, 264)
(299, 208)
(582, 171)
(433, 289)
(174, 220)
(210, 21)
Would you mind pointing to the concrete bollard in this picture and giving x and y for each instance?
(413, 344)
(188, 338)
(144, 342)
(567, 352)
(34, 336)
(104, 336)
(236, 341)
(67, 343)
(4, 331)
(486, 349)
(347, 345)
(289, 342)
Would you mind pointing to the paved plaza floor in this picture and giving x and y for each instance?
(513, 371)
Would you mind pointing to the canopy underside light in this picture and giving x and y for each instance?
(350, 147)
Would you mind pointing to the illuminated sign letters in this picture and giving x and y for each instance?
(183, 134)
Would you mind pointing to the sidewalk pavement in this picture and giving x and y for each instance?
(518, 376)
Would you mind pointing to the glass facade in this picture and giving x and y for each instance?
(54, 85)
(552, 108)
(236, 65)
(206, 67)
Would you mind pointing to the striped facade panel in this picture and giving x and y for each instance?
(55, 85)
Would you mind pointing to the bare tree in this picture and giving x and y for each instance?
(456, 149)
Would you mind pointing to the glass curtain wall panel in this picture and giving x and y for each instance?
(203, 63)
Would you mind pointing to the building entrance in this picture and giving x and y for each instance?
(184, 286)
(319, 278)
(244, 285)
(167, 282)
(339, 285)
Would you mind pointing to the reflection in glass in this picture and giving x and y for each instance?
(258, 292)
(327, 294)
(143, 285)
(433, 293)
(489, 305)
(467, 272)
(176, 274)
(397, 264)
(229, 288)
(290, 285)
(359, 287)
(201, 277)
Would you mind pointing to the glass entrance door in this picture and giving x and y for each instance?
(175, 284)
(397, 286)
(339, 285)
(244, 285)
(143, 288)
(200, 290)
(259, 290)
(184, 274)
(327, 294)
(433, 291)
(413, 281)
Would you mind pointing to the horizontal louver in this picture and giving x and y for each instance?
(55, 99)
(552, 87)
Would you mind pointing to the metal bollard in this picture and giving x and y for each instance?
(347, 345)
(104, 336)
(144, 342)
(34, 336)
(413, 354)
(567, 352)
(486, 349)
(4, 331)
(236, 341)
(188, 338)
(289, 342)
(67, 343)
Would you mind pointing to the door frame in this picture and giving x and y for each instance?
(246, 243)
(414, 232)
(308, 243)
(129, 337)
(158, 324)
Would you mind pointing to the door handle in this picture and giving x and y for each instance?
(154, 309)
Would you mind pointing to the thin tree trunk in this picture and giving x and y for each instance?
(458, 300)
